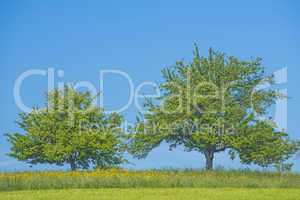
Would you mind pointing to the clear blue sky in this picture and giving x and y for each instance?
(140, 38)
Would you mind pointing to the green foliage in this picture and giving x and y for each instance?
(264, 146)
(69, 130)
(213, 104)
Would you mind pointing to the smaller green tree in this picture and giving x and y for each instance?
(69, 130)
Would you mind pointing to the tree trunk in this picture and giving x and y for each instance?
(73, 165)
(209, 156)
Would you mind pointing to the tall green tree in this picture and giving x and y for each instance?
(211, 105)
(69, 130)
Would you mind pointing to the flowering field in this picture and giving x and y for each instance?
(116, 178)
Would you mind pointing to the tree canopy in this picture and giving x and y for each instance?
(69, 130)
(211, 105)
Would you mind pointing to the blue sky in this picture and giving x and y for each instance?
(140, 38)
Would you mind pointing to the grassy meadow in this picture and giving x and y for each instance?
(117, 178)
(154, 194)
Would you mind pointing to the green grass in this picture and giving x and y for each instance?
(155, 194)
(146, 179)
